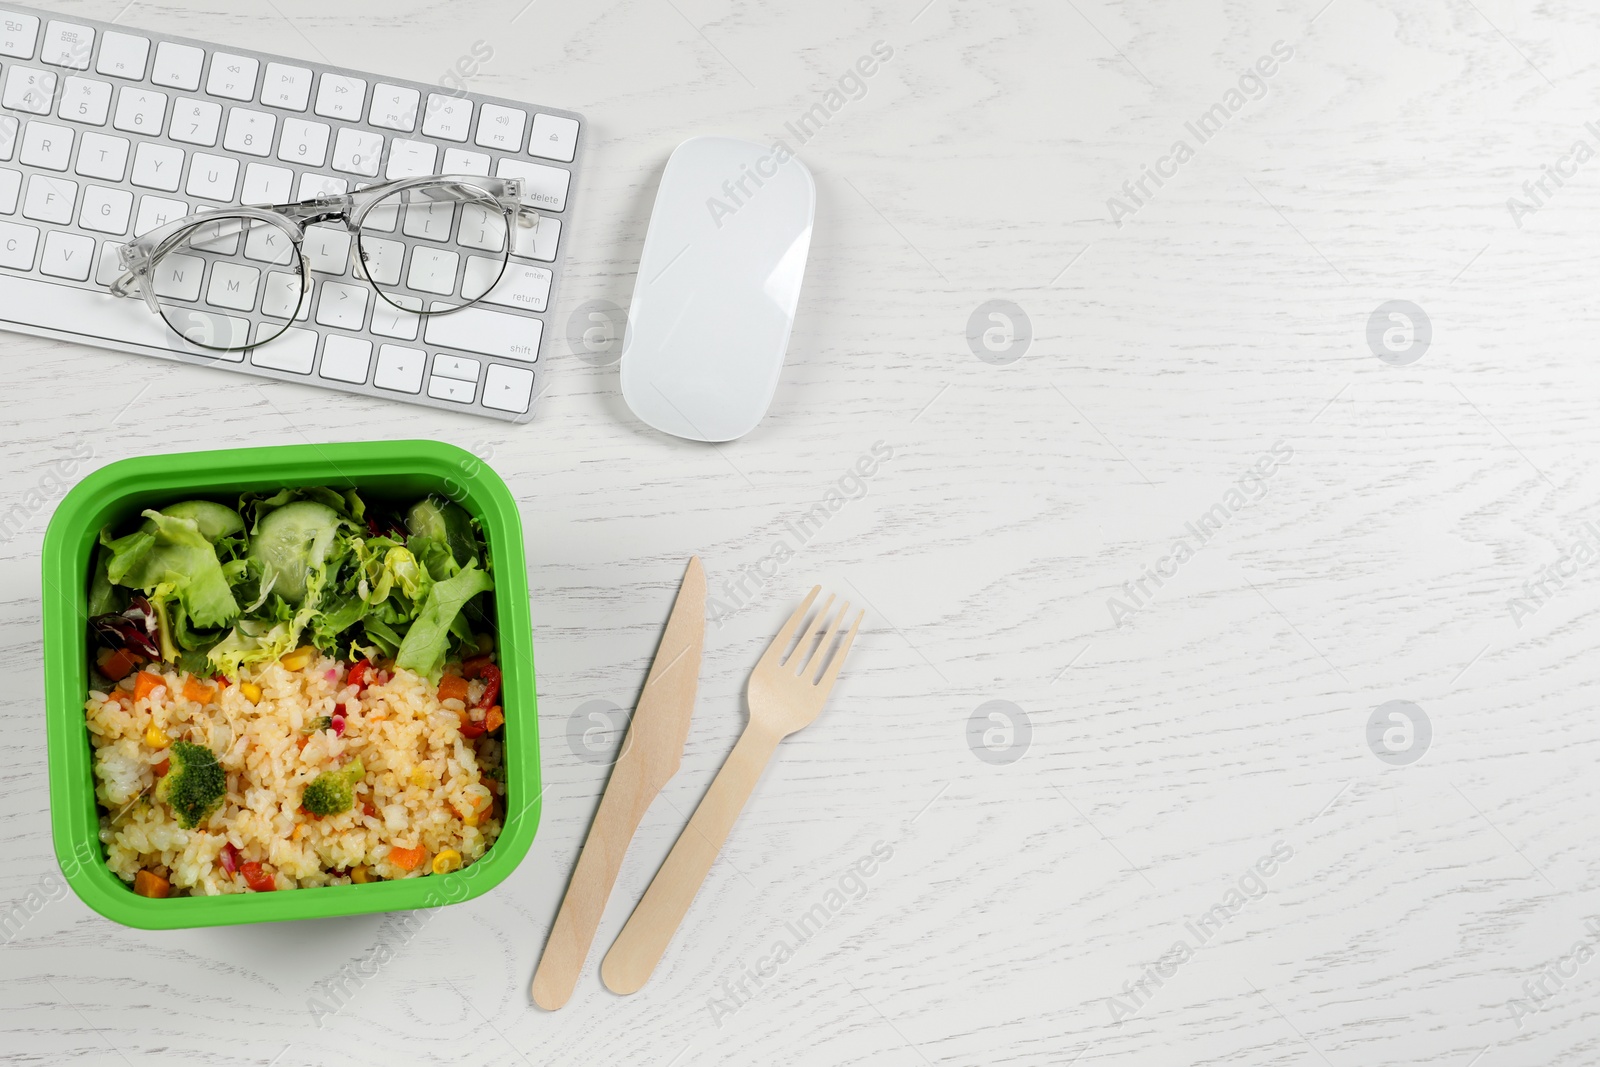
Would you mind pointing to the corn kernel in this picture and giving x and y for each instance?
(251, 692)
(299, 659)
(421, 778)
(360, 875)
(446, 861)
(155, 738)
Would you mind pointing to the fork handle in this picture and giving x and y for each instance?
(649, 929)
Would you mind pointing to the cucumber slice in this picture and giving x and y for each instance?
(215, 520)
(291, 543)
(447, 523)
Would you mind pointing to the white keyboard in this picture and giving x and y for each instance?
(108, 132)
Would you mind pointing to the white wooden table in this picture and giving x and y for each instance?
(1070, 881)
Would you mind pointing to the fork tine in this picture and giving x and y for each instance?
(779, 643)
(800, 647)
(829, 632)
(831, 673)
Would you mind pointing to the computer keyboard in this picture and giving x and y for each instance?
(107, 132)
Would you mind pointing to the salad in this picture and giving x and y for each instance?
(215, 589)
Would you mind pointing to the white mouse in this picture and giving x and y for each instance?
(718, 283)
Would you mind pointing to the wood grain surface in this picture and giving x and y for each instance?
(1173, 840)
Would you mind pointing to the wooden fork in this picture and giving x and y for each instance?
(783, 698)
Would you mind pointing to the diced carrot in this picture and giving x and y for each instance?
(494, 720)
(407, 859)
(116, 665)
(301, 744)
(453, 687)
(146, 683)
(162, 768)
(200, 694)
(148, 884)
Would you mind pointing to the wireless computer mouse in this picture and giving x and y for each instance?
(718, 283)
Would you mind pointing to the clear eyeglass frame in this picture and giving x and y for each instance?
(140, 257)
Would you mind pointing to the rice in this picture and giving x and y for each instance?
(424, 787)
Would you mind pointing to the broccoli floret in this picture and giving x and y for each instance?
(333, 791)
(194, 785)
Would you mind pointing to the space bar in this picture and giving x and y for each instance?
(96, 317)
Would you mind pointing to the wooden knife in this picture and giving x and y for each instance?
(651, 753)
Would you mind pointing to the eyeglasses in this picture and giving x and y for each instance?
(235, 278)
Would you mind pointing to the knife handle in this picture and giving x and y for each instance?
(621, 809)
(650, 928)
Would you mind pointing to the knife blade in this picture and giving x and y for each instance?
(651, 753)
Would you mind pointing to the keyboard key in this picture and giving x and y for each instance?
(451, 389)
(357, 151)
(447, 117)
(47, 146)
(493, 333)
(340, 97)
(106, 210)
(409, 159)
(178, 277)
(394, 107)
(280, 293)
(328, 248)
(542, 187)
(286, 87)
(10, 187)
(108, 268)
(122, 55)
(521, 285)
(249, 131)
(177, 66)
(315, 185)
(456, 367)
(18, 35)
(67, 255)
(294, 351)
(399, 369)
(270, 245)
(381, 260)
(66, 44)
(17, 245)
(49, 199)
(429, 221)
(482, 228)
(232, 76)
(195, 121)
(8, 135)
(140, 110)
(343, 306)
(538, 241)
(553, 137)
(155, 212)
(391, 321)
(461, 161)
(346, 359)
(508, 388)
(102, 156)
(500, 127)
(213, 178)
(157, 166)
(85, 100)
(265, 184)
(303, 142)
(433, 270)
(29, 90)
(233, 285)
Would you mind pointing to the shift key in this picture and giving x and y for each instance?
(492, 333)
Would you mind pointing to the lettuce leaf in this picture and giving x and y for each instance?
(426, 643)
(177, 553)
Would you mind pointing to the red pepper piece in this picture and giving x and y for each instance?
(257, 878)
(491, 686)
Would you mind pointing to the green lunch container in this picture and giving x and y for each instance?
(395, 472)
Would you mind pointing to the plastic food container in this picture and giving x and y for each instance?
(398, 470)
